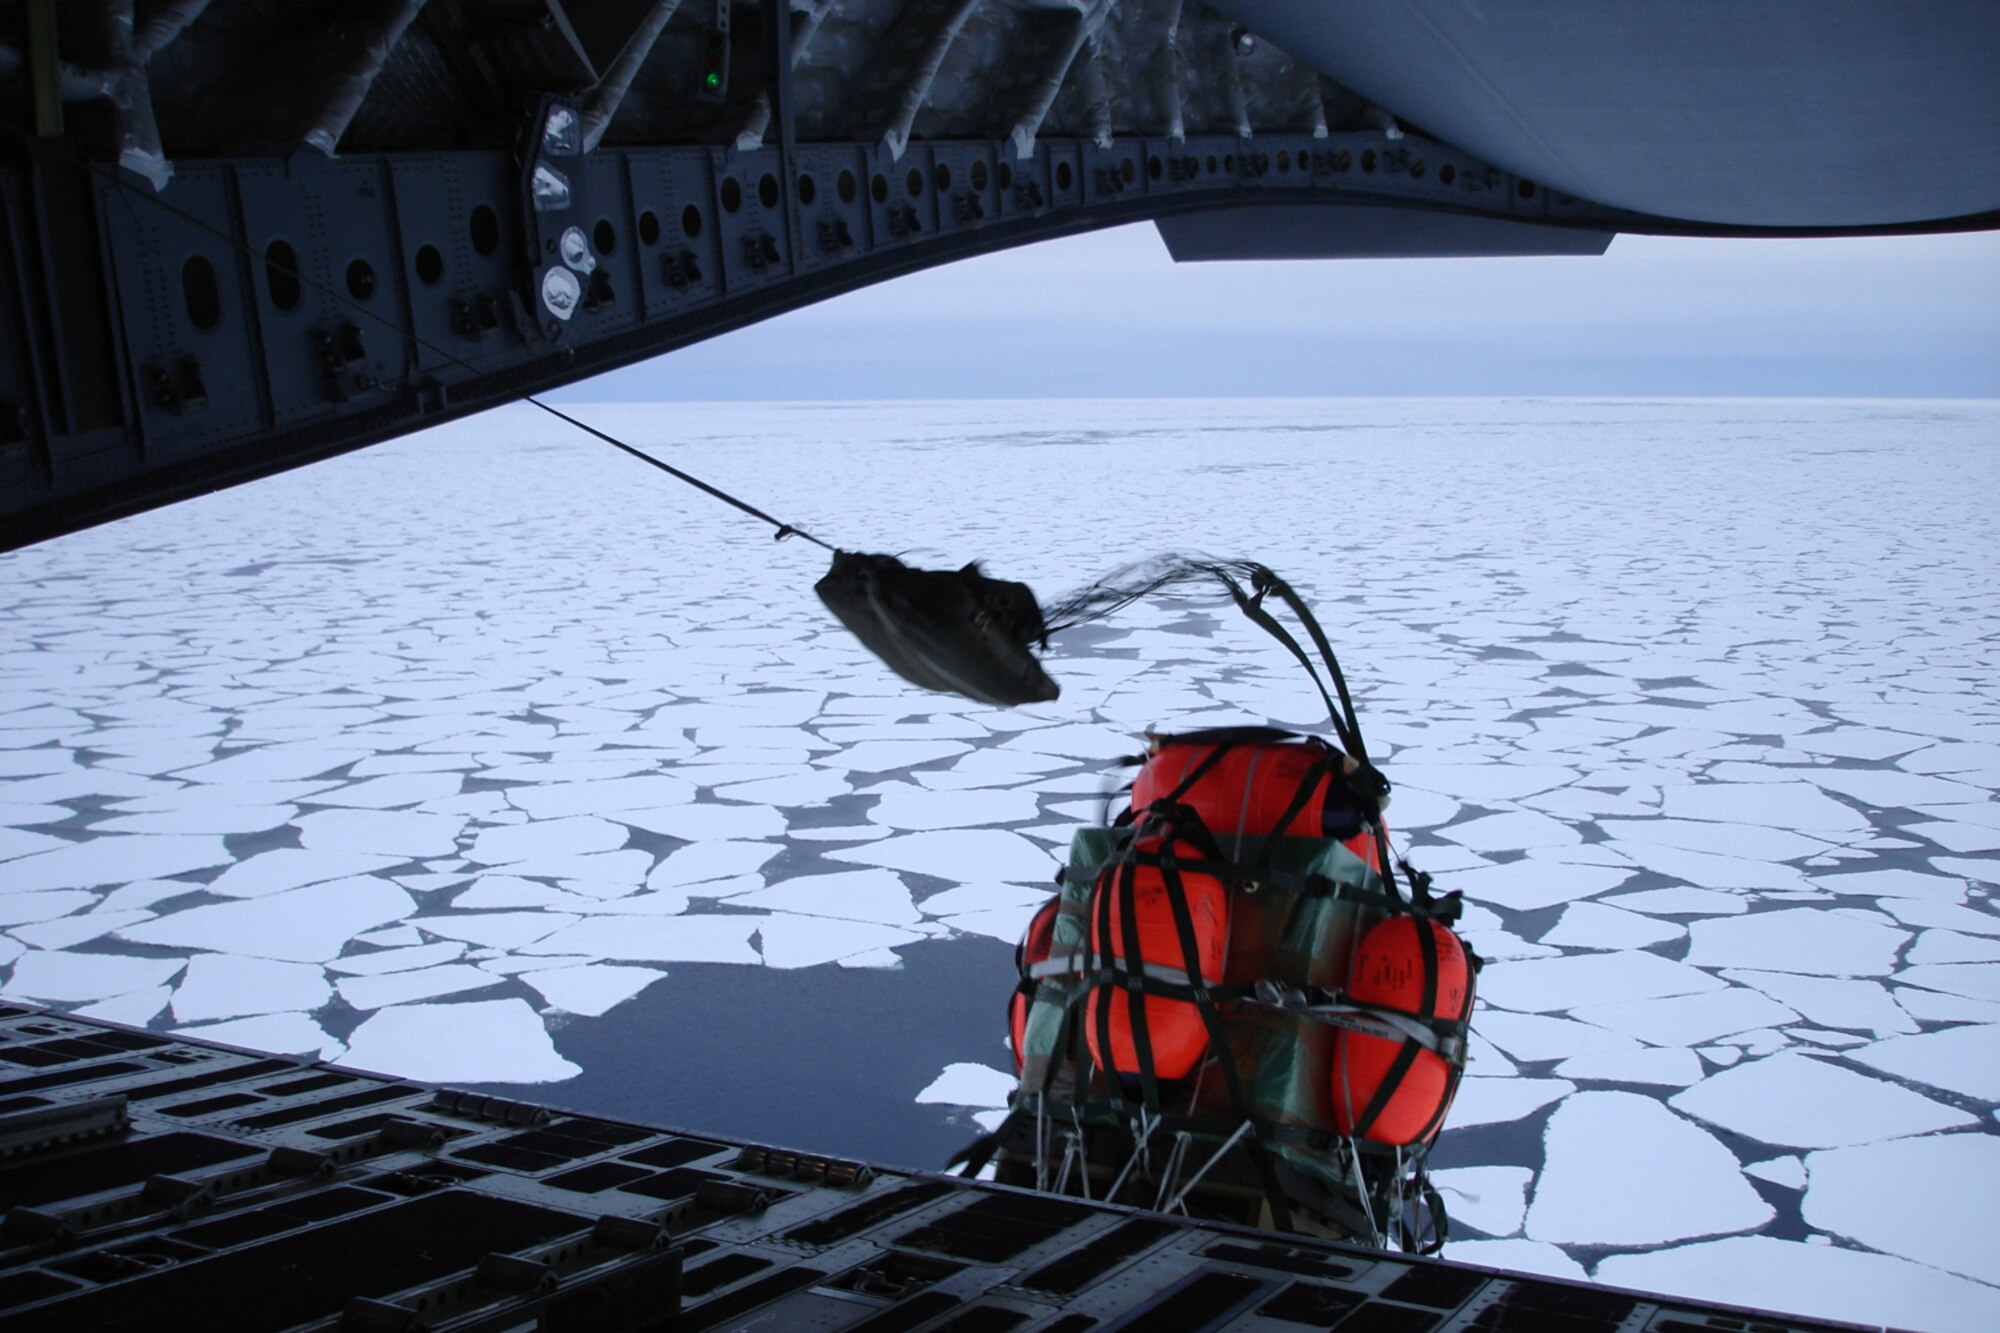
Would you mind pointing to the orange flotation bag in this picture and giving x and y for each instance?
(1033, 951)
(1396, 1089)
(1257, 783)
(1130, 905)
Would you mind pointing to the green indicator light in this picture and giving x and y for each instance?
(714, 80)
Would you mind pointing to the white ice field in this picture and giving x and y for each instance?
(430, 757)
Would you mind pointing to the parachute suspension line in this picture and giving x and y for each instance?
(1147, 1124)
(327, 290)
(1362, 1193)
(1179, 1201)
(1171, 1173)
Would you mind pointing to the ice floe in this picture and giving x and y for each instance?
(544, 838)
(288, 1033)
(792, 941)
(1528, 884)
(1490, 1199)
(1796, 940)
(1801, 1101)
(1892, 1197)
(959, 854)
(473, 1041)
(224, 986)
(499, 930)
(1818, 1281)
(1516, 1256)
(1668, 1178)
(423, 983)
(307, 925)
(711, 860)
(1595, 926)
(593, 990)
(1499, 1101)
(1964, 1060)
(967, 1084)
(651, 939)
(115, 859)
(79, 977)
(860, 895)
(1545, 985)
(1859, 1005)
(408, 833)
(1685, 1020)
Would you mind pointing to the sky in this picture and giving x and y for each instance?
(1109, 315)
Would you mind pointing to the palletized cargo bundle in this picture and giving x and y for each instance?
(1229, 1010)
(1231, 1007)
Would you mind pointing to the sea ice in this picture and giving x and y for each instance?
(1888, 789)
(1978, 870)
(1786, 1172)
(803, 941)
(1749, 842)
(136, 1009)
(701, 861)
(498, 930)
(559, 799)
(1489, 1199)
(1784, 805)
(76, 977)
(1957, 837)
(1948, 916)
(1944, 946)
(1895, 884)
(1481, 784)
(1681, 902)
(1499, 1101)
(408, 833)
(1535, 1037)
(1684, 1020)
(1545, 985)
(496, 891)
(17, 908)
(1515, 1256)
(1898, 1198)
(627, 868)
(651, 939)
(890, 756)
(906, 807)
(1526, 885)
(1817, 1281)
(1965, 1060)
(959, 855)
(389, 793)
(707, 820)
(225, 986)
(273, 763)
(115, 859)
(575, 836)
(1712, 871)
(306, 925)
(15, 843)
(288, 1033)
(477, 1041)
(859, 895)
(1833, 1002)
(1006, 924)
(1801, 939)
(374, 992)
(791, 790)
(214, 819)
(590, 991)
(1801, 1101)
(1661, 1066)
(291, 868)
(1978, 981)
(1513, 830)
(966, 1084)
(1675, 1181)
(1595, 926)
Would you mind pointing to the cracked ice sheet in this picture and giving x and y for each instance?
(307, 925)
(1864, 1193)
(1685, 1184)
(1818, 1281)
(276, 1034)
(473, 1041)
(1964, 1060)
(956, 855)
(1528, 884)
(591, 991)
(73, 977)
(1798, 1101)
(658, 939)
(224, 986)
(879, 896)
(1800, 939)
(1545, 985)
(1490, 1199)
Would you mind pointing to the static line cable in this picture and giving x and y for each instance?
(784, 529)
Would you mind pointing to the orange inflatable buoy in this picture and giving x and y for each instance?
(1252, 785)
(1175, 1032)
(1030, 953)
(1394, 1090)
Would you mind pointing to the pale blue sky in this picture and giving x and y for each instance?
(1110, 315)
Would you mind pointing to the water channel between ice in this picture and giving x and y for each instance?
(489, 757)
